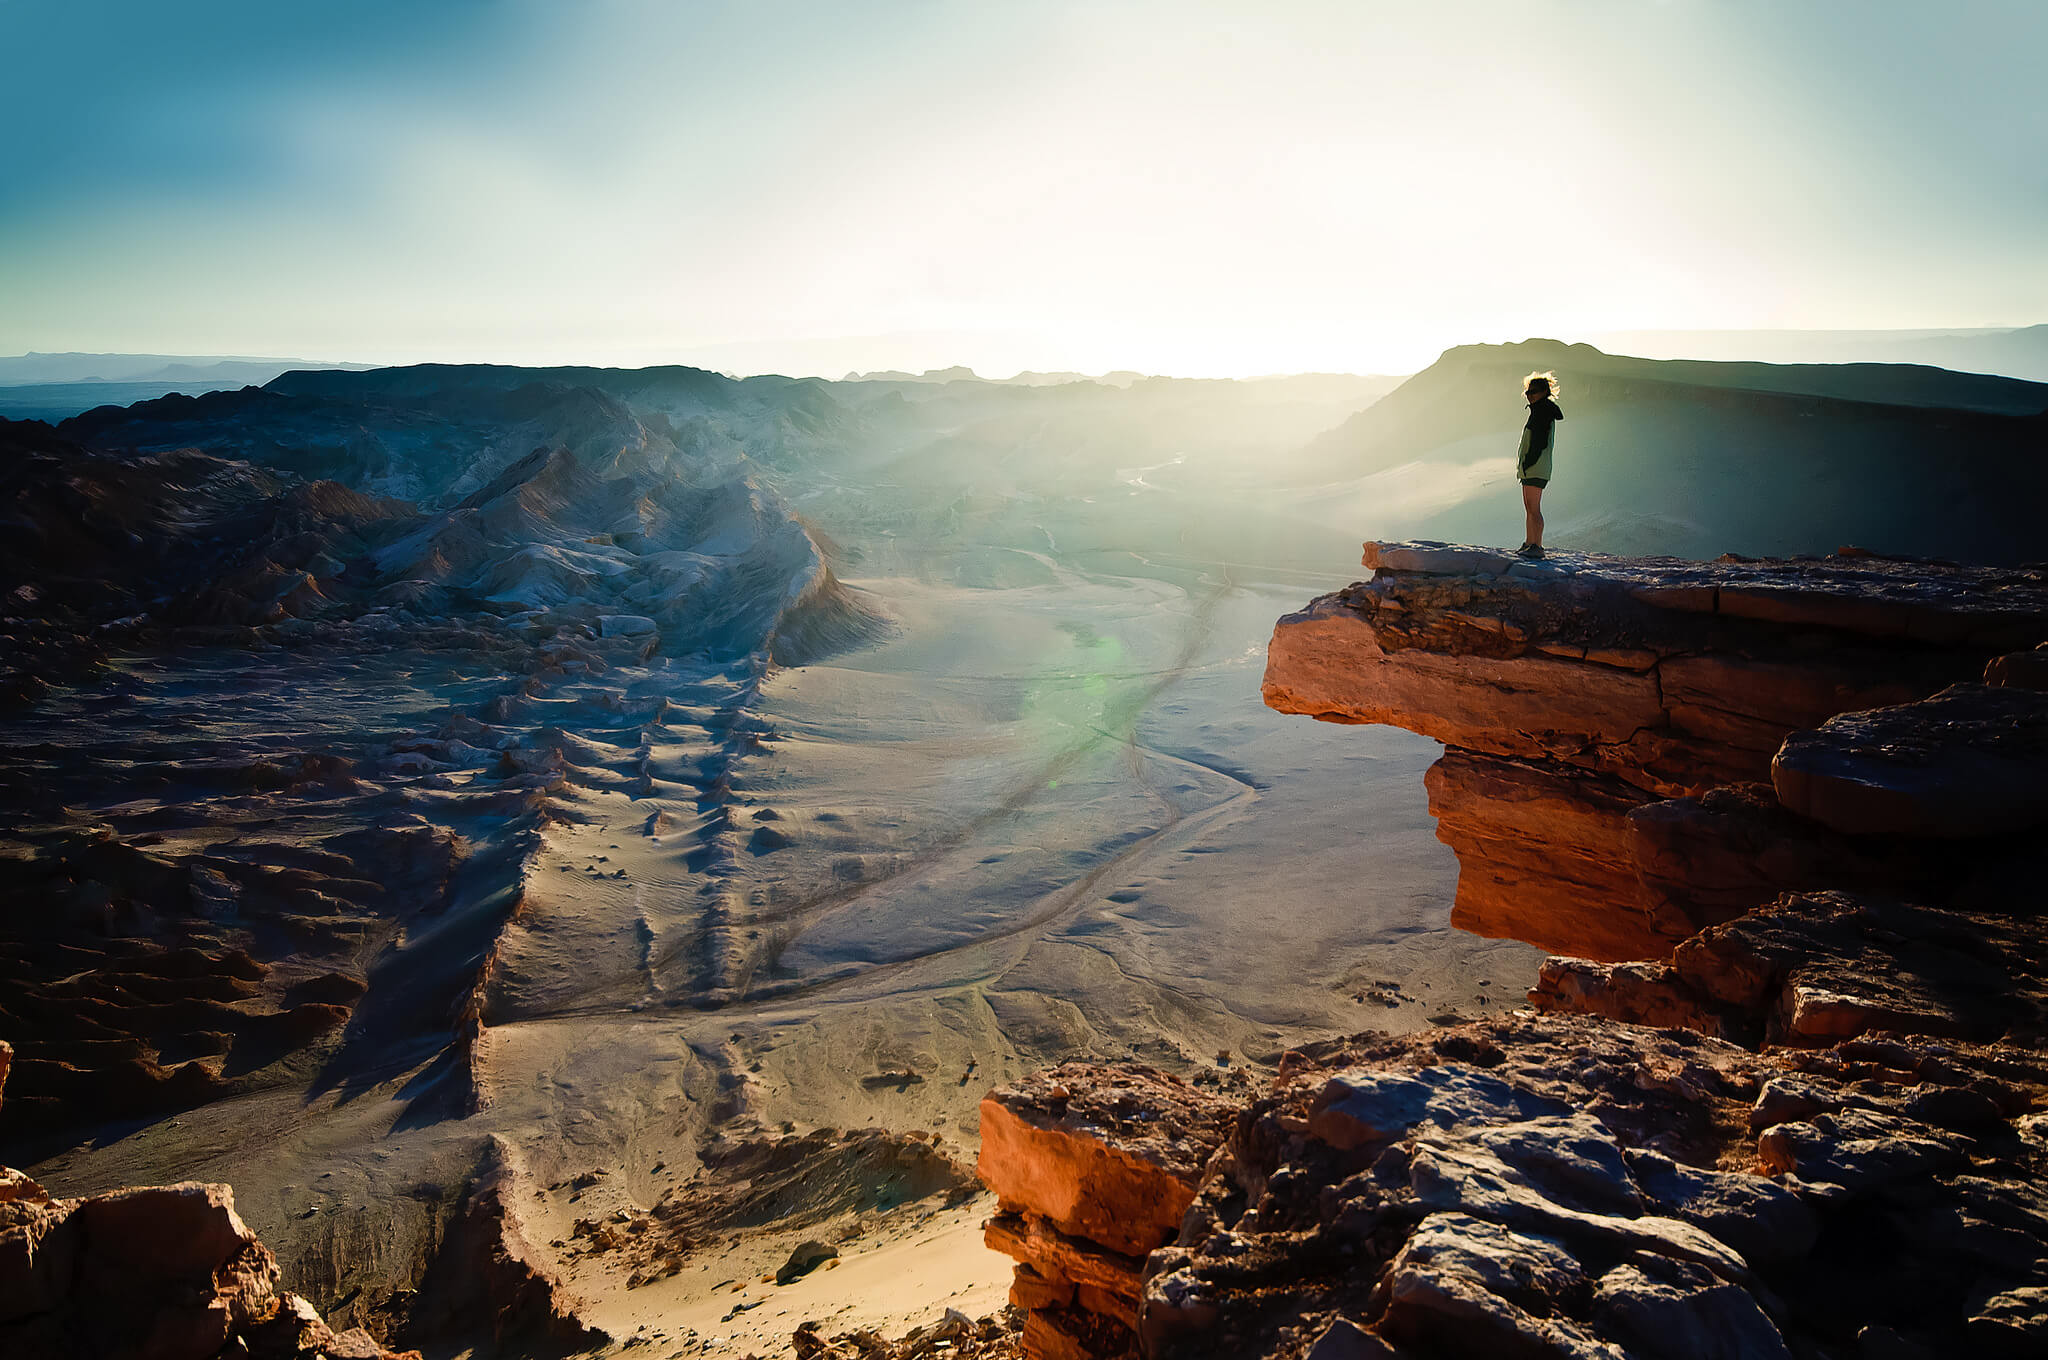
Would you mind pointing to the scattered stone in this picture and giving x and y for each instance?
(806, 1257)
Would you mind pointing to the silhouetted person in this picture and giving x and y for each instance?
(1532, 460)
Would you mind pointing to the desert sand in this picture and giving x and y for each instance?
(1032, 824)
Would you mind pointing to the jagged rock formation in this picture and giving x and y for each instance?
(160, 1272)
(185, 901)
(1092, 1169)
(281, 750)
(1542, 1186)
(1592, 707)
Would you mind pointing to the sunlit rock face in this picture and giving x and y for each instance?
(1593, 706)
(1092, 1169)
(1771, 1123)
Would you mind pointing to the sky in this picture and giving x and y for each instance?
(1175, 186)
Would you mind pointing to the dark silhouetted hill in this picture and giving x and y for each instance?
(1693, 458)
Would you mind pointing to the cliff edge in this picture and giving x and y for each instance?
(1588, 705)
(1783, 1091)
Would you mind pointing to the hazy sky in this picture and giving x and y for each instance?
(1174, 186)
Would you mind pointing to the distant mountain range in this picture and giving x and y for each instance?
(54, 386)
(1122, 377)
(2020, 352)
(216, 370)
(1685, 457)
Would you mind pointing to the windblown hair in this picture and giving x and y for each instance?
(1544, 382)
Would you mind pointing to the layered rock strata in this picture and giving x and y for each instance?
(1939, 800)
(1092, 1169)
(1545, 1186)
(1815, 968)
(1589, 705)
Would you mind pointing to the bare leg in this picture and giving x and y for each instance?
(1532, 515)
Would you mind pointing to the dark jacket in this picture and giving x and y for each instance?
(1539, 439)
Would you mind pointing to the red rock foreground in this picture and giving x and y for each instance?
(1611, 724)
(1832, 1144)
(1536, 1186)
(160, 1273)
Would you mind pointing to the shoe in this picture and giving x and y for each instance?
(1532, 551)
(1523, 550)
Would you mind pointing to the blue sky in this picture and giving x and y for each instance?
(1175, 186)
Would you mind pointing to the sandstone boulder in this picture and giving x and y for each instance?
(1109, 1155)
(164, 1272)
(1860, 1150)
(1092, 1168)
(1671, 1312)
(1971, 761)
(1363, 1106)
(1814, 968)
(1761, 1218)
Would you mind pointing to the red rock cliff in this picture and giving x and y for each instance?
(1587, 704)
(1817, 1126)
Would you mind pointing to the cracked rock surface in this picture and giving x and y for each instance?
(1570, 1186)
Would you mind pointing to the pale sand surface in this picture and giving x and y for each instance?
(1043, 823)
(908, 1278)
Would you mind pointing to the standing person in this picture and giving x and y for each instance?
(1532, 459)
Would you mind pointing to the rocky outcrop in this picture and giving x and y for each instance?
(1563, 1186)
(168, 1272)
(1092, 1168)
(172, 1273)
(1590, 704)
(954, 1337)
(1815, 968)
(1804, 1123)
(1967, 763)
(164, 1272)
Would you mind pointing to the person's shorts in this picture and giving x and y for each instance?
(1538, 482)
